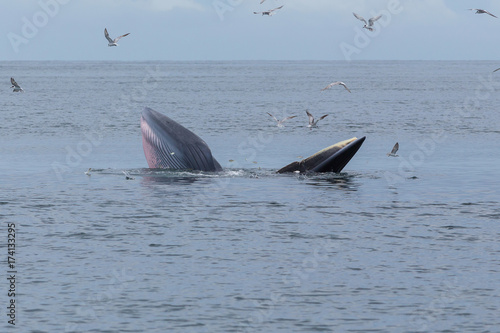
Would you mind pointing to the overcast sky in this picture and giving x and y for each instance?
(228, 30)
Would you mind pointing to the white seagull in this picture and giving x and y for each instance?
(113, 42)
(17, 88)
(312, 122)
(336, 84)
(370, 23)
(394, 150)
(269, 12)
(482, 11)
(127, 175)
(280, 122)
(88, 172)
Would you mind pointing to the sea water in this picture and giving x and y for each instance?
(391, 244)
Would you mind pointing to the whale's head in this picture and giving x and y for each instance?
(169, 145)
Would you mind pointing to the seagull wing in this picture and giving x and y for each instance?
(322, 117)
(498, 69)
(373, 19)
(395, 148)
(328, 86)
(359, 17)
(343, 85)
(273, 116)
(288, 118)
(127, 175)
(14, 83)
(336, 84)
(118, 38)
(107, 36)
(487, 12)
(311, 117)
(262, 1)
(272, 10)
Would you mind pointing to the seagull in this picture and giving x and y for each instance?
(88, 172)
(127, 175)
(368, 25)
(394, 150)
(17, 88)
(312, 122)
(280, 122)
(269, 12)
(482, 11)
(113, 42)
(336, 84)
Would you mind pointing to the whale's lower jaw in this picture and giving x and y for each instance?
(330, 159)
(169, 145)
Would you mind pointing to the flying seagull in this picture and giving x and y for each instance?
(312, 122)
(394, 150)
(17, 88)
(370, 23)
(113, 42)
(482, 11)
(88, 172)
(280, 122)
(269, 12)
(336, 84)
(127, 175)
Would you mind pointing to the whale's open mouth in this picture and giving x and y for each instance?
(169, 145)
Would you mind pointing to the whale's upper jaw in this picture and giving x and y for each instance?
(169, 145)
(330, 159)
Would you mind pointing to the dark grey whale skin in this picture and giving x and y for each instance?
(330, 159)
(169, 145)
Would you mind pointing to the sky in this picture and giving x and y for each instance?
(229, 30)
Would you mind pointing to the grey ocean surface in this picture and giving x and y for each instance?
(392, 244)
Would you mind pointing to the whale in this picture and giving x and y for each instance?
(169, 145)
